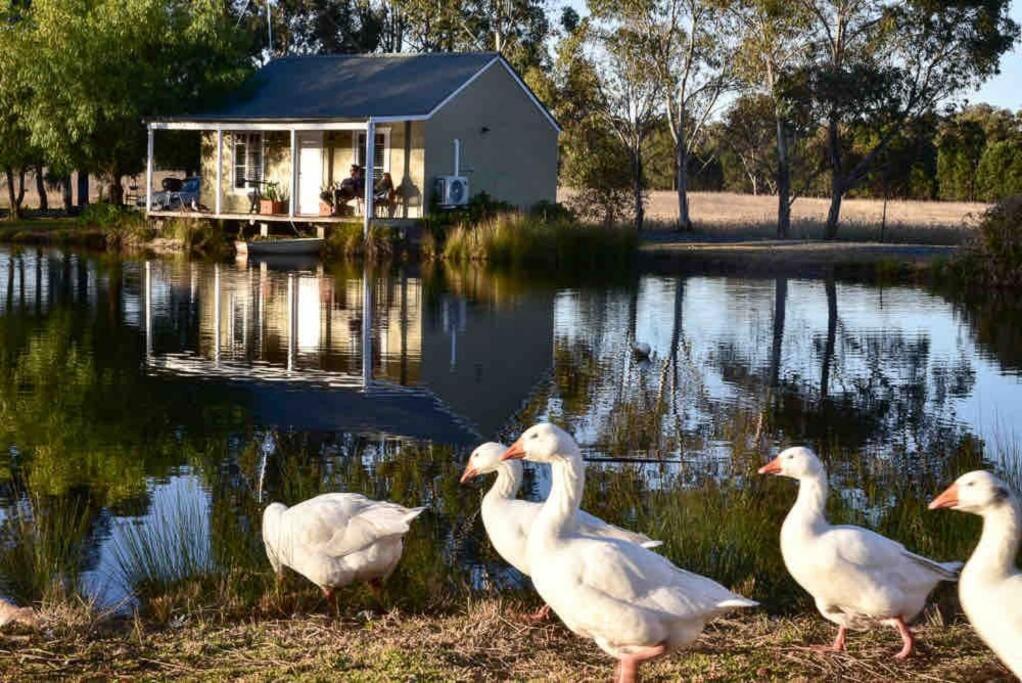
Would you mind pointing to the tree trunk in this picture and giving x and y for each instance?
(681, 173)
(116, 193)
(40, 188)
(783, 181)
(21, 187)
(640, 209)
(836, 181)
(83, 189)
(14, 212)
(66, 191)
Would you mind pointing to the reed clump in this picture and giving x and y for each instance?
(519, 239)
(41, 547)
(347, 241)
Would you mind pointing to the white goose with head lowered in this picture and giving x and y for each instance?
(856, 576)
(990, 589)
(508, 520)
(635, 604)
(337, 538)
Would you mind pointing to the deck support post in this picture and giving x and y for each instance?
(370, 185)
(219, 170)
(294, 173)
(149, 171)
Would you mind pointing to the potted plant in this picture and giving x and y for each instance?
(326, 202)
(274, 200)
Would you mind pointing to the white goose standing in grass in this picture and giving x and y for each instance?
(856, 576)
(337, 538)
(990, 589)
(508, 520)
(634, 603)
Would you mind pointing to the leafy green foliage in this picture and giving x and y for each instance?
(96, 68)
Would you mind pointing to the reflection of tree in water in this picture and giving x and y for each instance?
(996, 322)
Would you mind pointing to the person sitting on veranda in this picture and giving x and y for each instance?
(351, 188)
(384, 194)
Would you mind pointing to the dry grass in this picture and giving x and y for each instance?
(739, 216)
(491, 640)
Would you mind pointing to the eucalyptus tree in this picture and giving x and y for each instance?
(628, 101)
(774, 42)
(688, 48)
(879, 64)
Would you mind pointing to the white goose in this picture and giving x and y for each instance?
(991, 585)
(856, 576)
(337, 538)
(634, 603)
(508, 520)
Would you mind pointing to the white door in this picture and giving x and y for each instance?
(310, 172)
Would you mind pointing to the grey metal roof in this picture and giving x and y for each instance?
(318, 87)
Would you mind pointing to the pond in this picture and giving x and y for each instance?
(166, 401)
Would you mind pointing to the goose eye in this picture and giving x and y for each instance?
(533, 435)
(971, 483)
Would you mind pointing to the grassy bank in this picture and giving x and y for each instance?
(516, 239)
(487, 640)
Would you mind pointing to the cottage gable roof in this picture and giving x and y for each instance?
(333, 87)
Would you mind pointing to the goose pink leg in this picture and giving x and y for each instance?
(906, 638)
(838, 644)
(628, 666)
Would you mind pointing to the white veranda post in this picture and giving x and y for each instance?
(149, 171)
(219, 169)
(369, 183)
(294, 173)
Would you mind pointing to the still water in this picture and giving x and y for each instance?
(131, 389)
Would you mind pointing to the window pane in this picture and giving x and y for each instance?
(239, 162)
(255, 157)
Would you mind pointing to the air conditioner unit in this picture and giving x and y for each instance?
(452, 190)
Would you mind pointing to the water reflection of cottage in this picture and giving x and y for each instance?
(299, 342)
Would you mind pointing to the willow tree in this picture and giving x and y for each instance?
(96, 68)
(880, 64)
(16, 153)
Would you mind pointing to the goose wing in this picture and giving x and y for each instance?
(591, 525)
(634, 575)
(339, 524)
(869, 552)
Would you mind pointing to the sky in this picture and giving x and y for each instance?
(1003, 90)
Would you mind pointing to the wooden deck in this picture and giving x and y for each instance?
(256, 218)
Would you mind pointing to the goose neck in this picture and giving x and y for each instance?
(508, 481)
(567, 482)
(811, 503)
(999, 543)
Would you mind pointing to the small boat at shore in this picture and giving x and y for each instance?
(291, 246)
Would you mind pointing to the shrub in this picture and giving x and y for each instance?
(994, 259)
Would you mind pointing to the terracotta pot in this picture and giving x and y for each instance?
(325, 209)
(270, 207)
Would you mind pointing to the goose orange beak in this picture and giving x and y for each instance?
(772, 467)
(515, 452)
(948, 499)
(469, 474)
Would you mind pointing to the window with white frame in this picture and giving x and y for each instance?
(248, 161)
(381, 152)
